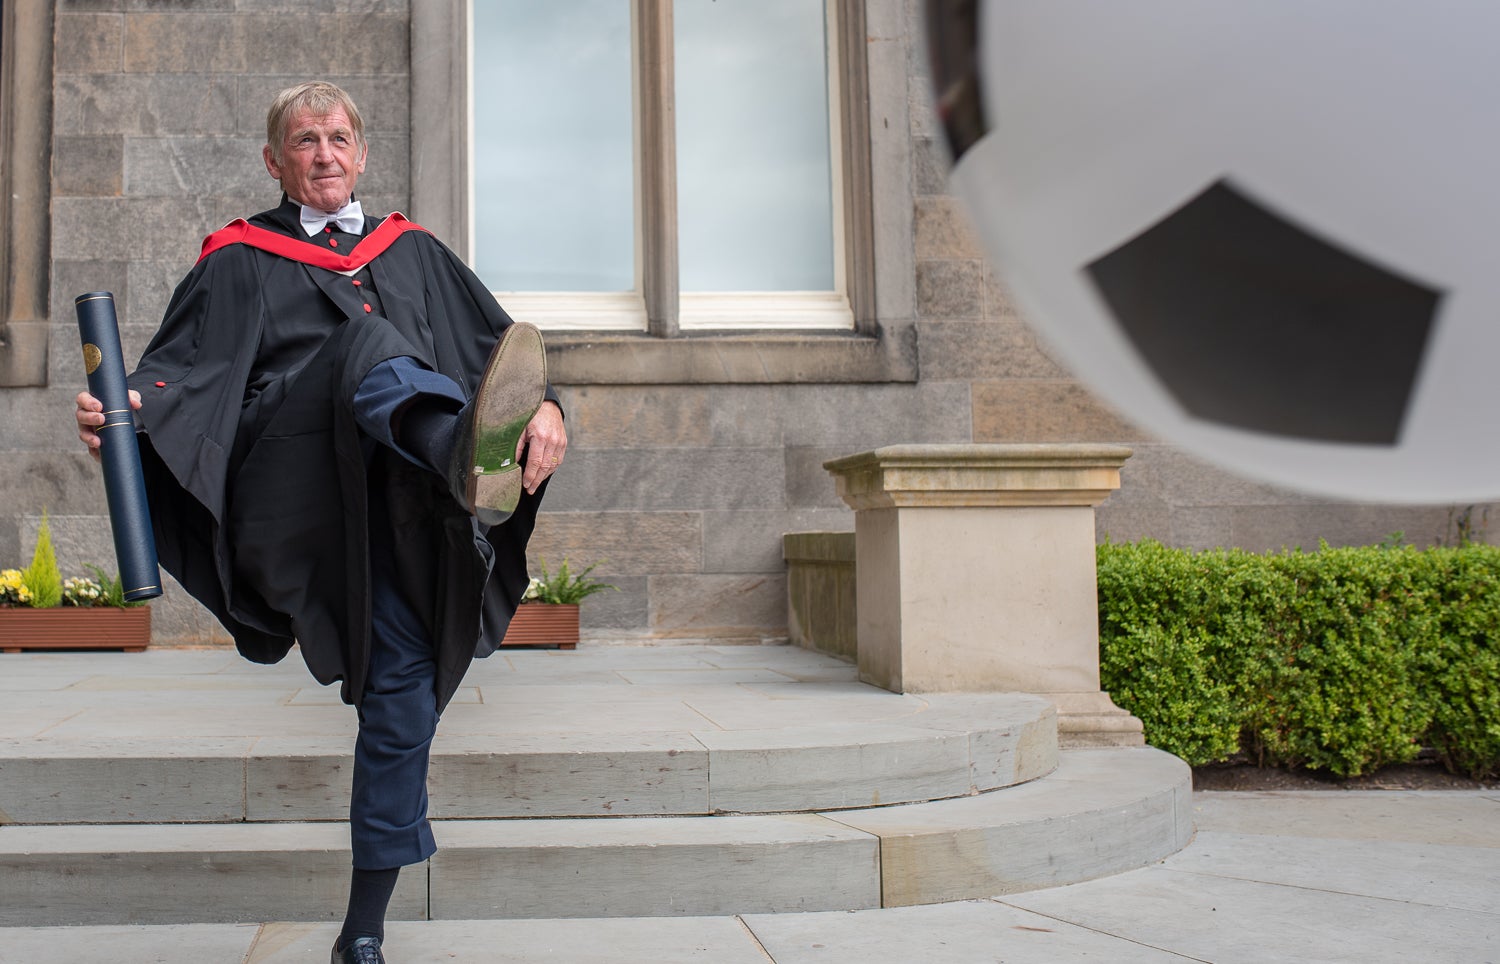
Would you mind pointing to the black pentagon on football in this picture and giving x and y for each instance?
(1250, 321)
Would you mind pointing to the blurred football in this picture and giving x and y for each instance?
(1263, 231)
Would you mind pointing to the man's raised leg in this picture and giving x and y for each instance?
(473, 443)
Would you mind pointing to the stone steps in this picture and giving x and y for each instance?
(192, 787)
(946, 746)
(1100, 812)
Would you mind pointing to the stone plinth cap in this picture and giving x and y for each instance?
(979, 475)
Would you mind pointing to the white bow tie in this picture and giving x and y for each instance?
(350, 218)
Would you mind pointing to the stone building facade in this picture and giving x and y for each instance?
(133, 128)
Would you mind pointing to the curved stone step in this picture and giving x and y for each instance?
(776, 758)
(668, 866)
(1100, 812)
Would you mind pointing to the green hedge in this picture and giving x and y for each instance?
(1342, 659)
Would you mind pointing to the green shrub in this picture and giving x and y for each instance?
(1461, 670)
(1342, 660)
(42, 577)
(1158, 657)
(1165, 678)
(1337, 688)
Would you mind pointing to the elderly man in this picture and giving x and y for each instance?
(345, 440)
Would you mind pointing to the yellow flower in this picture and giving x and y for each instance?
(12, 590)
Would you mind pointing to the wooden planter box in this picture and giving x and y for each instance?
(543, 624)
(72, 627)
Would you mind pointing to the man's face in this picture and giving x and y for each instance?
(320, 160)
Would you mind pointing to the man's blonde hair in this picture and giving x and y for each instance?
(318, 97)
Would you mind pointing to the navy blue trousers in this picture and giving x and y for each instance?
(398, 711)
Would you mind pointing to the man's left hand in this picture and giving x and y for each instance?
(545, 441)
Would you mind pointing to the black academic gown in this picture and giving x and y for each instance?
(259, 480)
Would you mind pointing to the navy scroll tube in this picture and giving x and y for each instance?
(124, 482)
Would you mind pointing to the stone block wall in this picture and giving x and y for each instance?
(681, 492)
(158, 116)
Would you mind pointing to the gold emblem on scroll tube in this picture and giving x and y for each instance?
(91, 358)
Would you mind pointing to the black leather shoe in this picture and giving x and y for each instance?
(484, 474)
(361, 950)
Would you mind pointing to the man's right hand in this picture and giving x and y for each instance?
(90, 415)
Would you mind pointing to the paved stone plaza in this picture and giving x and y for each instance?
(1311, 876)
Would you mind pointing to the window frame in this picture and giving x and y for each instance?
(25, 189)
(826, 310)
(874, 349)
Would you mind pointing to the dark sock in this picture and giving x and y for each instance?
(427, 430)
(369, 893)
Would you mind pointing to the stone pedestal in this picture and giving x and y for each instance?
(975, 572)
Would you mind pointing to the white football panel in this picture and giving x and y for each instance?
(1093, 150)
